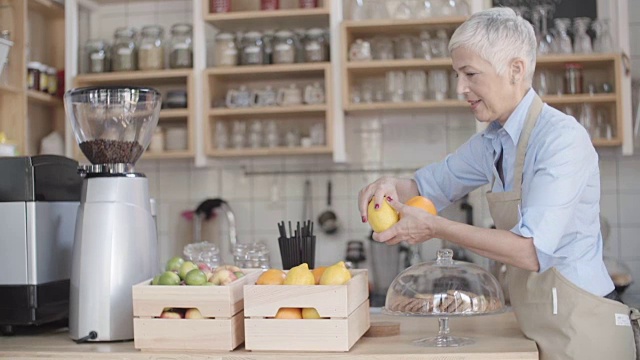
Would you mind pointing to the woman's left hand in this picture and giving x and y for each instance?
(415, 226)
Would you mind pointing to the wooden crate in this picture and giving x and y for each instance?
(345, 306)
(221, 305)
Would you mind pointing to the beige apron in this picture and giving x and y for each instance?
(565, 321)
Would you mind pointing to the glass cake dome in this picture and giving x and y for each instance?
(444, 288)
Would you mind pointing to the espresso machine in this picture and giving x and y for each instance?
(115, 235)
(39, 198)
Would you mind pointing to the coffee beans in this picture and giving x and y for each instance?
(101, 151)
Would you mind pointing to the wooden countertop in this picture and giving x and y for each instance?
(496, 337)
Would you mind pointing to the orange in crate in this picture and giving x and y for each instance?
(289, 313)
(271, 277)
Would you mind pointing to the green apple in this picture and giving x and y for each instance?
(169, 278)
(195, 277)
(239, 274)
(185, 268)
(155, 280)
(174, 264)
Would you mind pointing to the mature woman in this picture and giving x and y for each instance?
(544, 198)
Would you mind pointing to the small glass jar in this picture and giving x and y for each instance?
(220, 6)
(157, 140)
(124, 54)
(181, 54)
(315, 47)
(225, 52)
(573, 78)
(97, 56)
(284, 50)
(151, 52)
(52, 77)
(269, 4)
(251, 256)
(33, 75)
(252, 48)
(44, 78)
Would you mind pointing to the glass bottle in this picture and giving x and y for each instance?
(284, 50)
(562, 41)
(603, 42)
(225, 52)
(582, 41)
(573, 78)
(97, 56)
(315, 47)
(545, 40)
(151, 51)
(124, 53)
(181, 53)
(439, 45)
(252, 49)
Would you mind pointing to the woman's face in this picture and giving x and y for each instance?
(491, 96)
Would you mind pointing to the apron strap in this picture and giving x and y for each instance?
(532, 116)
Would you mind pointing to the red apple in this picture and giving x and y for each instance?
(223, 277)
(193, 313)
(204, 267)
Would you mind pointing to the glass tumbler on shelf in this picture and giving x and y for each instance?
(382, 48)
(573, 78)
(238, 134)
(541, 14)
(440, 45)
(151, 50)
(225, 50)
(395, 86)
(603, 42)
(423, 46)
(221, 136)
(272, 138)
(438, 84)
(415, 85)
(124, 54)
(255, 134)
(562, 40)
(403, 47)
(181, 53)
(582, 40)
(97, 56)
(252, 49)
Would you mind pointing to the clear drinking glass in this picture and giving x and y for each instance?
(415, 85)
(603, 42)
(562, 40)
(440, 45)
(438, 84)
(545, 40)
(582, 40)
(395, 86)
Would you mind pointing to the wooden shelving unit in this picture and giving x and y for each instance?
(163, 81)
(27, 116)
(272, 110)
(422, 105)
(314, 150)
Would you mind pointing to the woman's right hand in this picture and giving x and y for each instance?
(395, 188)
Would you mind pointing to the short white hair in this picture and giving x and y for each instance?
(498, 35)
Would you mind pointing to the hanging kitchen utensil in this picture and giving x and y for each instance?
(307, 204)
(328, 219)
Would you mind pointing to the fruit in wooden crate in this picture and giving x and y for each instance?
(185, 268)
(317, 273)
(155, 280)
(170, 314)
(271, 277)
(300, 275)
(223, 277)
(174, 264)
(195, 277)
(310, 313)
(169, 278)
(289, 313)
(382, 218)
(233, 268)
(193, 313)
(204, 267)
(336, 274)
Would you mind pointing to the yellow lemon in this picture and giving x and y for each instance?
(336, 274)
(383, 218)
(300, 275)
(310, 313)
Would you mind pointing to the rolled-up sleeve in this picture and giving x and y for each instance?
(563, 165)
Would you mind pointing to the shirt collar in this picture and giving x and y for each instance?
(514, 124)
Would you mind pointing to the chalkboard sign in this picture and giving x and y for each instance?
(559, 8)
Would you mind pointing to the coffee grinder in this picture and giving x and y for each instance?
(115, 235)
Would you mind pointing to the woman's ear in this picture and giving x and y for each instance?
(517, 70)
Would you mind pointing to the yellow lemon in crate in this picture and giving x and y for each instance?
(300, 275)
(383, 218)
(310, 313)
(336, 274)
(289, 313)
(317, 273)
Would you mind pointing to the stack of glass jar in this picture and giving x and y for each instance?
(41, 77)
(145, 51)
(284, 46)
(407, 46)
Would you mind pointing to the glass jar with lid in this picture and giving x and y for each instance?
(124, 54)
(225, 51)
(97, 56)
(33, 75)
(284, 50)
(181, 53)
(151, 52)
(252, 49)
(315, 47)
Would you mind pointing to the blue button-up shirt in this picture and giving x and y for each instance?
(560, 203)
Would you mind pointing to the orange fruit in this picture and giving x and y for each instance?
(289, 313)
(423, 203)
(317, 273)
(271, 277)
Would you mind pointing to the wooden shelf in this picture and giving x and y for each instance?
(272, 110)
(135, 77)
(49, 8)
(607, 142)
(284, 18)
(561, 59)
(377, 66)
(43, 99)
(9, 89)
(178, 154)
(579, 98)
(429, 104)
(269, 71)
(173, 113)
(394, 26)
(270, 151)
